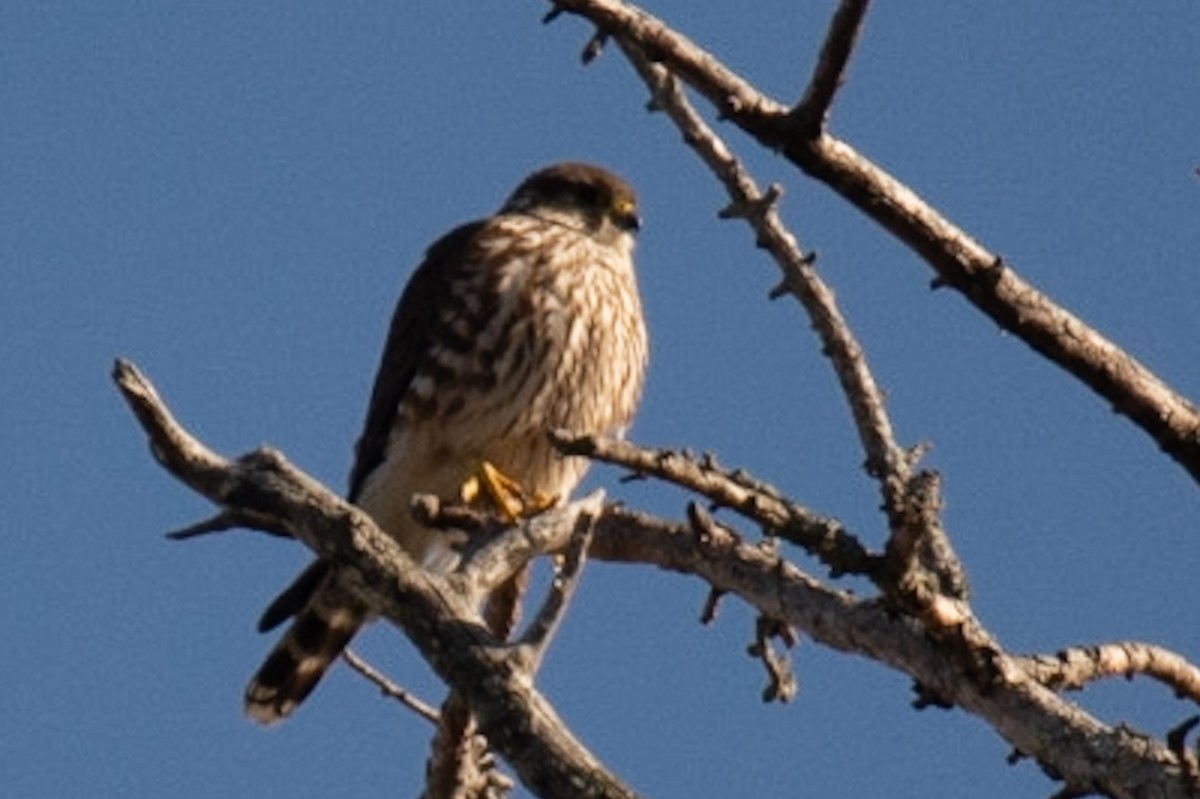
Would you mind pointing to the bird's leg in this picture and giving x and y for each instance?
(505, 493)
(502, 612)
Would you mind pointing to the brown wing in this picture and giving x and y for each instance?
(407, 341)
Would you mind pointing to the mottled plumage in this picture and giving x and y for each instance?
(522, 322)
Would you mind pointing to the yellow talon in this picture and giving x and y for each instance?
(470, 490)
(505, 493)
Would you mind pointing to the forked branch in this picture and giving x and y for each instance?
(518, 722)
(957, 259)
(521, 725)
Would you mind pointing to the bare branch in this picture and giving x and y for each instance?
(1177, 736)
(536, 639)
(225, 521)
(921, 563)
(518, 722)
(732, 95)
(712, 603)
(813, 109)
(958, 260)
(522, 726)
(1037, 722)
(781, 680)
(389, 688)
(825, 538)
(461, 766)
(500, 556)
(1073, 668)
(885, 459)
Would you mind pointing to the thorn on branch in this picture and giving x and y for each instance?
(752, 207)
(594, 47)
(926, 697)
(988, 276)
(917, 452)
(1177, 736)
(711, 606)
(701, 522)
(1015, 756)
(782, 685)
(783, 288)
(230, 520)
(730, 107)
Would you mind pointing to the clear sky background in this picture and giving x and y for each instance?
(232, 194)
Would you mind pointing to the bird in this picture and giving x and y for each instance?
(512, 325)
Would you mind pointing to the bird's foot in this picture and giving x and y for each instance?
(504, 493)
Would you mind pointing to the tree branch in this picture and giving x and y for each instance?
(536, 640)
(823, 537)
(920, 561)
(810, 113)
(884, 458)
(461, 766)
(520, 723)
(516, 719)
(1075, 667)
(389, 688)
(957, 259)
(225, 521)
(1061, 736)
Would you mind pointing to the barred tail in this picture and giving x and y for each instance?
(319, 633)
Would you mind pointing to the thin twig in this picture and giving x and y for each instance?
(732, 95)
(884, 458)
(389, 688)
(825, 538)
(537, 637)
(813, 109)
(712, 603)
(781, 682)
(958, 260)
(781, 679)
(461, 766)
(1075, 667)
(228, 520)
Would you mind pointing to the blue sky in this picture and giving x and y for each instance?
(232, 195)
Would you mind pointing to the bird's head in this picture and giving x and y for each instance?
(581, 196)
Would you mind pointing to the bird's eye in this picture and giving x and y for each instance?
(624, 213)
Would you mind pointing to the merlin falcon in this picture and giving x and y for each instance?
(513, 325)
